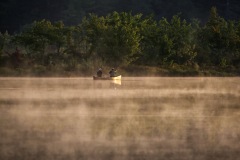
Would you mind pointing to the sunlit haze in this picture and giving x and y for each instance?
(134, 118)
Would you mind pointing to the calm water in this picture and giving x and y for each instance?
(136, 118)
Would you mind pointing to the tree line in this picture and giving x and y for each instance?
(123, 39)
(14, 14)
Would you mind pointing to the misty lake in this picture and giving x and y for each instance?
(148, 118)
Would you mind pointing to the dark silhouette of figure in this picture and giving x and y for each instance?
(112, 72)
(99, 72)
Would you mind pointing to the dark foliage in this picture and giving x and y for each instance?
(122, 39)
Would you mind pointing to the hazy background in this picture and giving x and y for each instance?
(136, 118)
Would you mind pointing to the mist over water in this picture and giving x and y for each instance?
(136, 118)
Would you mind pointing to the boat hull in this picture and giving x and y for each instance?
(107, 78)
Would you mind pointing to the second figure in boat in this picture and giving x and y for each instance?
(99, 72)
(113, 73)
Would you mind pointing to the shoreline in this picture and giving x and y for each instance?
(136, 71)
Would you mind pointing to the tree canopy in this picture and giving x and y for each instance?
(14, 14)
(123, 39)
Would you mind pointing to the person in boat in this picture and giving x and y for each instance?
(112, 72)
(99, 72)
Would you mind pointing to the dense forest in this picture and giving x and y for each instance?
(135, 42)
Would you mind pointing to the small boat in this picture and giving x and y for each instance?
(107, 78)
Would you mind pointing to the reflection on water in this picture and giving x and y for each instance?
(136, 118)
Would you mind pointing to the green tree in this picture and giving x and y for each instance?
(34, 36)
(121, 38)
(219, 40)
(156, 45)
(236, 60)
(93, 29)
(56, 34)
(181, 34)
(41, 38)
(5, 46)
(113, 39)
(3, 39)
(168, 42)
